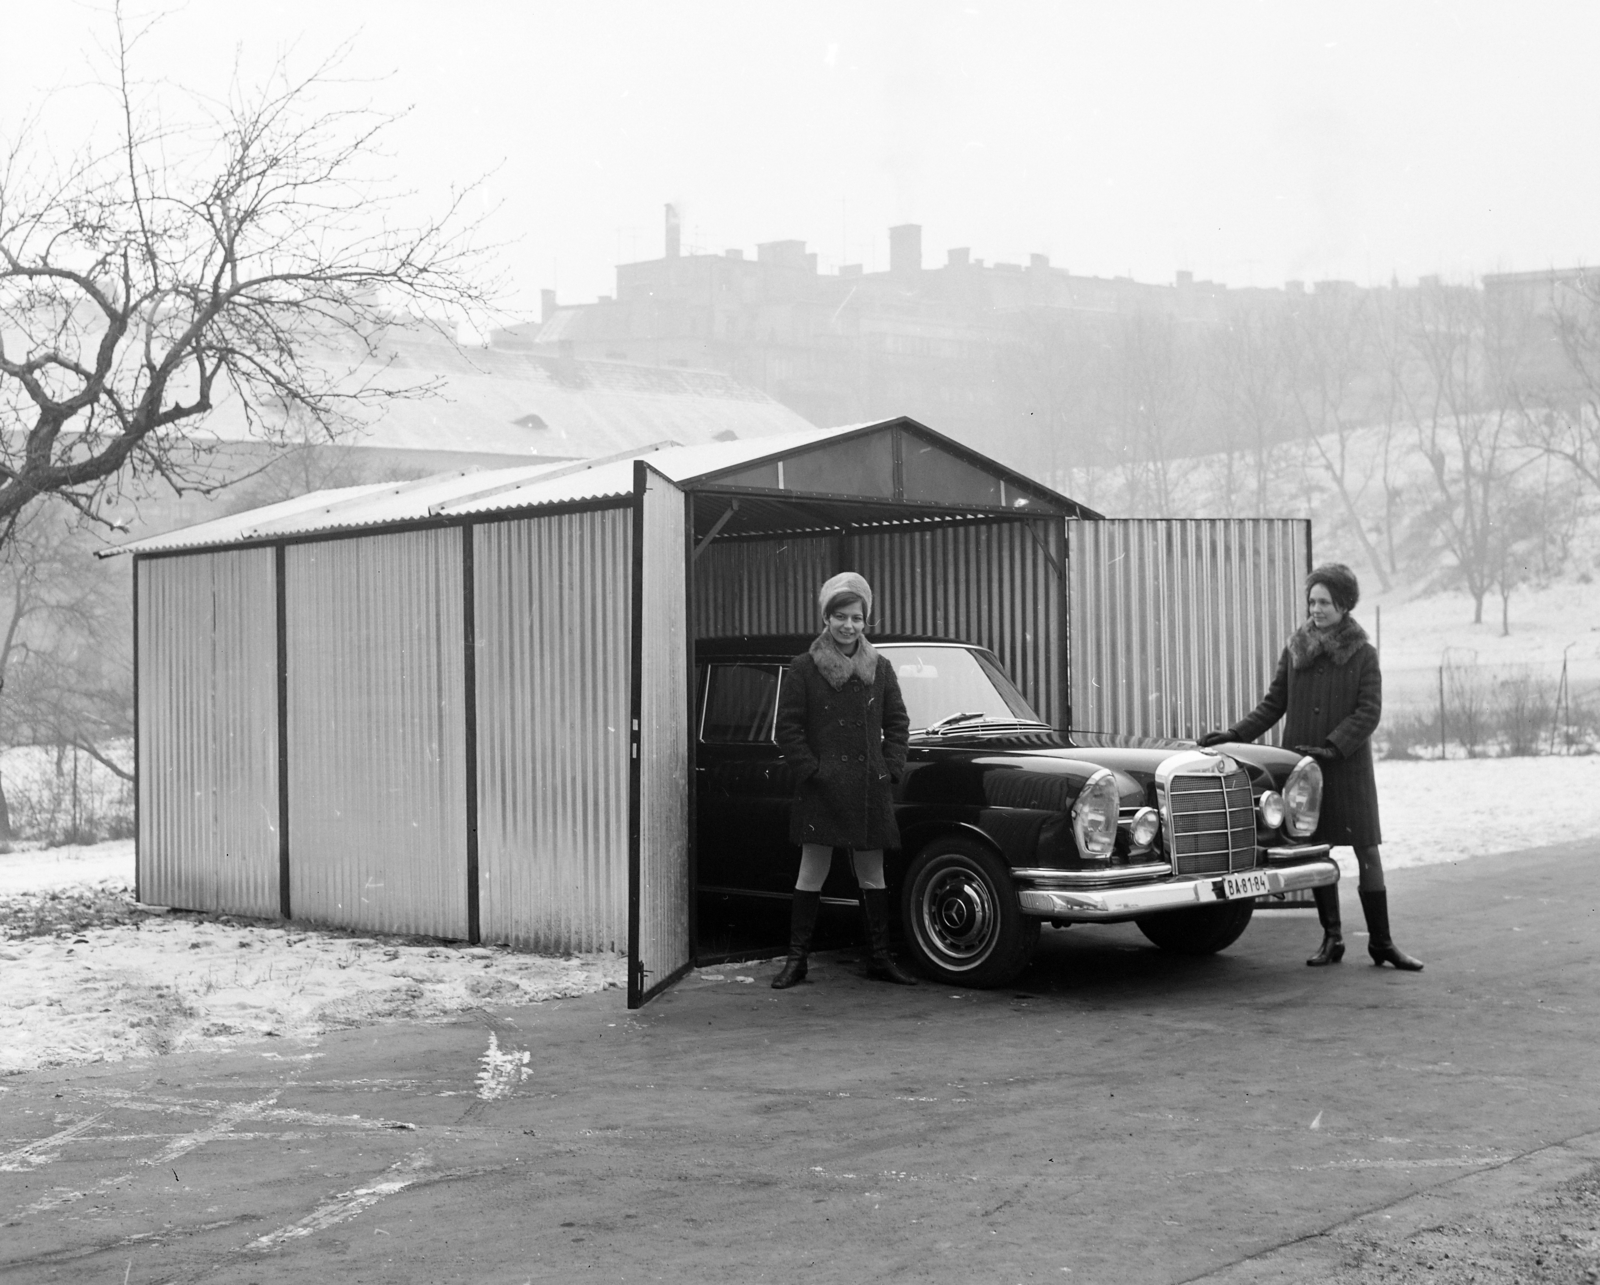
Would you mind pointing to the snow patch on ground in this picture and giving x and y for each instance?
(164, 981)
(1433, 811)
(46, 868)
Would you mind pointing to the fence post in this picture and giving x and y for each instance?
(1442, 754)
(1562, 692)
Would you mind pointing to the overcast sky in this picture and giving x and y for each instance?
(1249, 143)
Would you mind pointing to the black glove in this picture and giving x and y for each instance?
(1217, 738)
(1322, 753)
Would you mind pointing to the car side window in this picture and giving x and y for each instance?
(741, 703)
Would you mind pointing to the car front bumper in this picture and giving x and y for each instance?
(1306, 867)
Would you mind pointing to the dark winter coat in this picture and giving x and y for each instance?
(1328, 691)
(845, 746)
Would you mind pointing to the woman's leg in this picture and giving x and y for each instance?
(1370, 862)
(1332, 949)
(1375, 903)
(868, 863)
(815, 858)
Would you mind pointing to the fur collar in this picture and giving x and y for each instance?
(836, 667)
(1338, 644)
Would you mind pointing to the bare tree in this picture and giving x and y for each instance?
(1565, 412)
(1047, 369)
(65, 669)
(1330, 341)
(1246, 377)
(1392, 360)
(1147, 384)
(245, 250)
(1469, 423)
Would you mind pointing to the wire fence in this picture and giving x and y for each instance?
(1462, 708)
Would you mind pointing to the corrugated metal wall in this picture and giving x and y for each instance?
(993, 584)
(664, 944)
(761, 586)
(377, 775)
(553, 599)
(997, 584)
(1177, 624)
(208, 732)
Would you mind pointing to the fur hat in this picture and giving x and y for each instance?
(1339, 581)
(847, 584)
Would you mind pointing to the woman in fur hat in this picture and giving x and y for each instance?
(1330, 694)
(842, 725)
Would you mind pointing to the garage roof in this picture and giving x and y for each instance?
(895, 472)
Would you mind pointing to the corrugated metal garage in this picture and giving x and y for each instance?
(462, 706)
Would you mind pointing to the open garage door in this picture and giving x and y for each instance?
(660, 871)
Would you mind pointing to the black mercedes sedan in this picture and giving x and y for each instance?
(1007, 823)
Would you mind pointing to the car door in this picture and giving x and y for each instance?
(744, 789)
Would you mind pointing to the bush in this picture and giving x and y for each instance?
(1498, 712)
(1410, 734)
(56, 797)
(1524, 708)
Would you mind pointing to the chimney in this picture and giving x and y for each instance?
(905, 248)
(674, 237)
(547, 304)
(959, 258)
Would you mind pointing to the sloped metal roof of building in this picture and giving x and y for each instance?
(505, 402)
(476, 493)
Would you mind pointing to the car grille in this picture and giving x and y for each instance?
(1213, 824)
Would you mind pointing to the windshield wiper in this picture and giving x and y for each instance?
(952, 721)
(949, 720)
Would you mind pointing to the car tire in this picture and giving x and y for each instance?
(962, 922)
(1202, 931)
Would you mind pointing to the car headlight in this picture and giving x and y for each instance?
(1271, 806)
(1302, 798)
(1144, 827)
(1094, 816)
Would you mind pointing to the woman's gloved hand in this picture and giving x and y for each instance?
(1216, 738)
(1322, 753)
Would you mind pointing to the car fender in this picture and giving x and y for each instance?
(919, 834)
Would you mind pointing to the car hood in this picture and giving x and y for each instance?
(1134, 760)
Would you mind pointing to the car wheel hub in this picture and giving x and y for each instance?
(958, 916)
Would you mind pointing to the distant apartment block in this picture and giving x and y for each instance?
(944, 344)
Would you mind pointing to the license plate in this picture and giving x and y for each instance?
(1252, 883)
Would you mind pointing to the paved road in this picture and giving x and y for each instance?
(1120, 1116)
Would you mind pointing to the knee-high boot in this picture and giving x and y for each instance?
(1379, 944)
(875, 901)
(1332, 949)
(802, 924)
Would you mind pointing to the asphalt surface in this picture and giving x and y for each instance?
(1119, 1116)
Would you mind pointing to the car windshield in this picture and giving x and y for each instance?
(943, 682)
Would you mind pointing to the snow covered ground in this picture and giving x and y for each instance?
(146, 984)
(152, 983)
